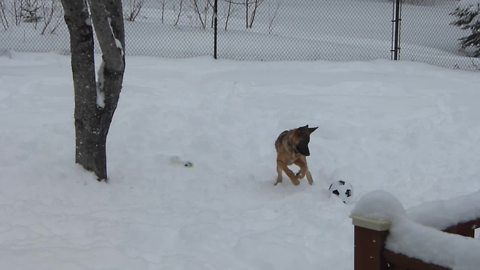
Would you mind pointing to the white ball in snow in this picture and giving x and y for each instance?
(342, 190)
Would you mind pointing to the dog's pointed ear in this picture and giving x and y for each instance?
(311, 130)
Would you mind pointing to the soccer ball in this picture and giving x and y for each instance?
(342, 190)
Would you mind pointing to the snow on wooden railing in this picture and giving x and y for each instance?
(388, 237)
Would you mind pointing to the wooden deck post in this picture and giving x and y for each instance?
(370, 236)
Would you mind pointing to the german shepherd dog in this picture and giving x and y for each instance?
(292, 148)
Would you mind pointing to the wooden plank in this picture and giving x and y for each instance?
(466, 229)
(399, 261)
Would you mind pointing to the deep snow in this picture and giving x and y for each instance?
(406, 128)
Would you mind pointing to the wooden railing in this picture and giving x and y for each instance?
(370, 252)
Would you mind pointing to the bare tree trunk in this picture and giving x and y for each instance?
(83, 69)
(107, 17)
(95, 104)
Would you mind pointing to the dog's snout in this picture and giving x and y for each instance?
(303, 149)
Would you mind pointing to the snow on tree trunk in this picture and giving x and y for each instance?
(95, 103)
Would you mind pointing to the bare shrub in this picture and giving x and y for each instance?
(256, 4)
(273, 16)
(229, 13)
(199, 10)
(16, 10)
(164, 2)
(3, 15)
(250, 15)
(52, 14)
(30, 11)
(134, 9)
(179, 13)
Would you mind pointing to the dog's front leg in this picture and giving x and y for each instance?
(303, 173)
(282, 166)
(309, 178)
(302, 163)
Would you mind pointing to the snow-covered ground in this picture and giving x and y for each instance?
(406, 128)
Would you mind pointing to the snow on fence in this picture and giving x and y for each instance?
(434, 236)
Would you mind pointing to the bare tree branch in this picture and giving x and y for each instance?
(108, 21)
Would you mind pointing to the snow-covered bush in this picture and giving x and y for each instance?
(468, 17)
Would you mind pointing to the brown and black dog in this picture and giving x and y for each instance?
(292, 148)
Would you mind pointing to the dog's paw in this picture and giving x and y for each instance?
(300, 175)
(295, 182)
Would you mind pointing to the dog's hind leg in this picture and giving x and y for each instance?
(282, 166)
(279, 175)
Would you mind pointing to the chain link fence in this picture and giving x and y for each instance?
(260, 30)
(428, 36)
(339, 30)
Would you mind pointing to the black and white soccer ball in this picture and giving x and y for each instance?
(343, 190)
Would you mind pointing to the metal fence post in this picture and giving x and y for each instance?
(215, 28)
(370, 237)
(396, 21)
